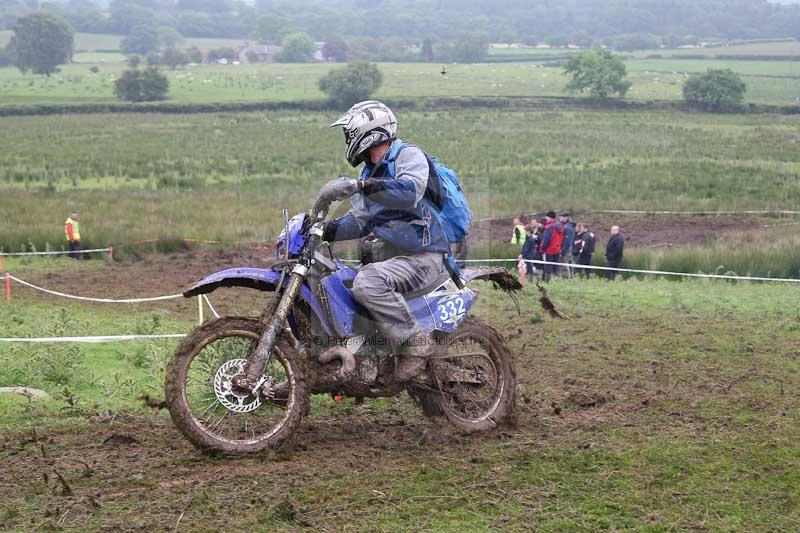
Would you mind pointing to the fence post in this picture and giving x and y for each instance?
(111, 252)
(8, 287)
(200, 309)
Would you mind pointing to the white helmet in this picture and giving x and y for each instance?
(365, 125)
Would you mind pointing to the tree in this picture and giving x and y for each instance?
(194, 54)
(146, 85)
(5, 58)
(169, 37)
(715, 90)
(427, 50)
(225, 52)
(126, 15)
(153, 59)
(41, 42)
(601, 73)
(352, 83)
(470, 48)
(141, 40)
(297, 48)
(270, 29)
(134, 61)
(173, 58)
(335, 49)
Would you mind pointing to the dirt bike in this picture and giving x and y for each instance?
(237, 385)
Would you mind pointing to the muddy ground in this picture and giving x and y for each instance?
(616, 412)
(582, 400)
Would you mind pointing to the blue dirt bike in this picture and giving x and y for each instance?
(237, 385)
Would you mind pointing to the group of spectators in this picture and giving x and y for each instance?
(556, 238)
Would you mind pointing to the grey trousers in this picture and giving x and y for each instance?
(379, 287)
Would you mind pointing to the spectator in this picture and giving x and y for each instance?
(539, 232)
(460, 250)
(529, 253)
(583, 248)
(614, 251)
(518, 237)
(552, 239)
(73, 232)
(569, 239)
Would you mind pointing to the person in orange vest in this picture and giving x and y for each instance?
(73, 231)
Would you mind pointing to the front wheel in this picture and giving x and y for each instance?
(473, 376)
(211, 412)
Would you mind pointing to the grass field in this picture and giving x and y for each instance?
(658, 406)
(772, 82)
(227, 176)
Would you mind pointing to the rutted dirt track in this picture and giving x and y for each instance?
(134, 471)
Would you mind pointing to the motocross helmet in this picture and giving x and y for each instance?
(365, 125)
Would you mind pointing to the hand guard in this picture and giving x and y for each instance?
(338, 189)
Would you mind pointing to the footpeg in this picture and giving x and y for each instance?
(340, 352)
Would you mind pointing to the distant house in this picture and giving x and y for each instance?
(265, 53)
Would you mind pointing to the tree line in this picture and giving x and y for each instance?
(376, 27)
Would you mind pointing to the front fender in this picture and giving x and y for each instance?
(262, 279)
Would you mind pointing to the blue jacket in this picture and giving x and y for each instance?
(569, 238)
(529, 248)
(400, 214)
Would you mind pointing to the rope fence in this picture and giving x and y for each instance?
(637, 271)
(203, 299)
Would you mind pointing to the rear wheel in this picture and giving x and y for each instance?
(473, 376)
(211, 412)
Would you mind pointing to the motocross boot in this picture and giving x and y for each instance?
(416, 352)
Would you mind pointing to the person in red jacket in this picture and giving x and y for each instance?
(552, 239)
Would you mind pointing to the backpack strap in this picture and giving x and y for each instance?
(391, 158)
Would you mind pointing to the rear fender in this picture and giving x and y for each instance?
(500, 277)
(262, 279)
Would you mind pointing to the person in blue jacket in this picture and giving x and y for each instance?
(389, 206)
(567, 243)
(529, 251)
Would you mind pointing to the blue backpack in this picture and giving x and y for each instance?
(444, 192)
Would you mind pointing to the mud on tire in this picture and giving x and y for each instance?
(452, 400)
(187, 417)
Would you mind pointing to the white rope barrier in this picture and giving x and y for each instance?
(61, 252)
(211, 307)
(92, 340)
(636, 271)
(782, 212)
(703, 213)
(89, 299)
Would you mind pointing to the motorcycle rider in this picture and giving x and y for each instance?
(407, 240)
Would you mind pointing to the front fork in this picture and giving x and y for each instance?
(252, 377)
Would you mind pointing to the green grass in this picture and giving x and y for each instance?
(652, 79)
(227, 176)
(109, 375)
(700, 431)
